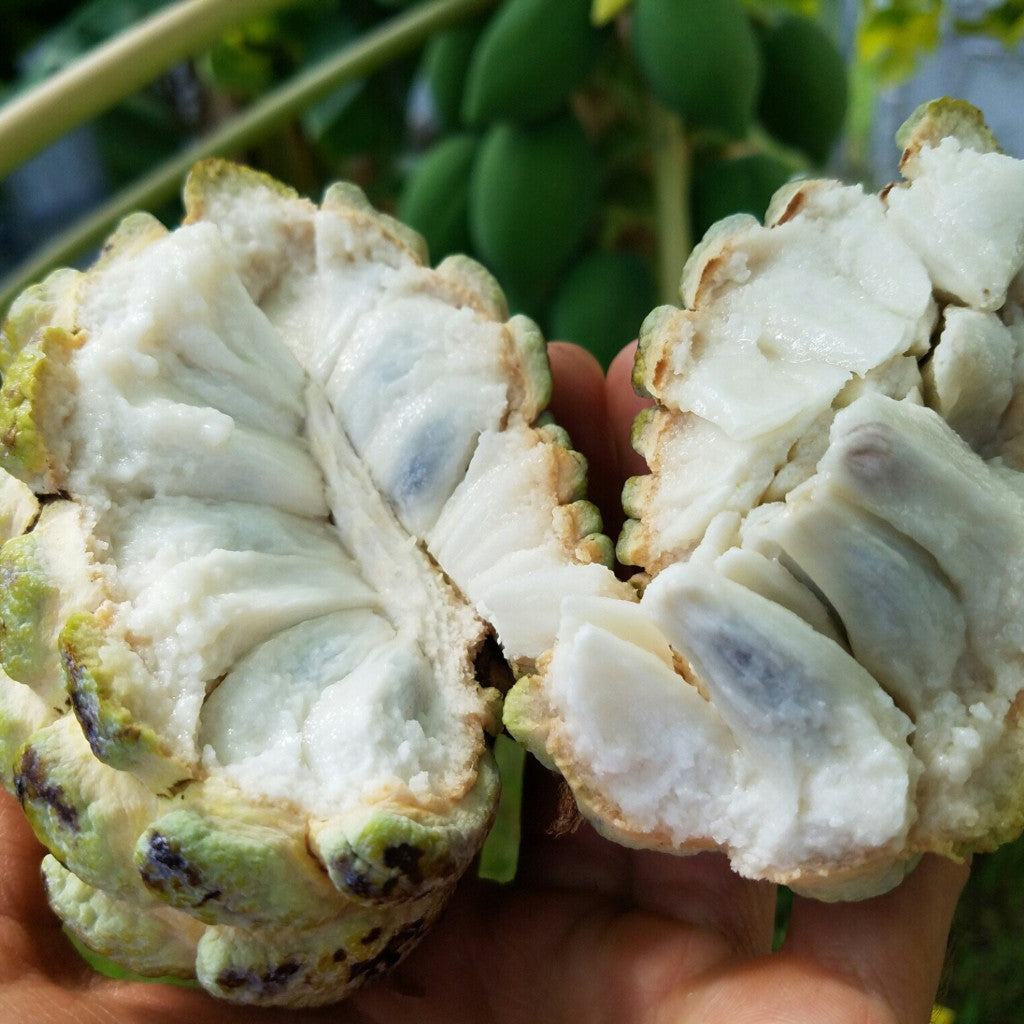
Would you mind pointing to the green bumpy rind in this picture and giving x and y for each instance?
(153, 942)
(935, 120)
(86, 813)
(29, 596)
(297, 967)
(95, 670)
(381, 856)
(249, 869)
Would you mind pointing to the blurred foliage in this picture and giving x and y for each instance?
(984, 982)
(894, 34)
(1005, 21)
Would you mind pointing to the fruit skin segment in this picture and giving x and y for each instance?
(239, 701)
(829, 539)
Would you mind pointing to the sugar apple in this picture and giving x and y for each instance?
(270, 485)
(823, 676)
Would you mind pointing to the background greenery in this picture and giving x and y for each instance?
(576, 148)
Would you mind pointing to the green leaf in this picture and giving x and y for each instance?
(894, 34)
(499, 857)
(772, 8)
(1005, 23)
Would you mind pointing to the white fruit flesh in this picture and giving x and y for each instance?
(256, 594)
(826, 666)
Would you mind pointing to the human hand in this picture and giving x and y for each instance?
(590, 931)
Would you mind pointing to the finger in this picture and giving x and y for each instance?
(578, 404)
(893, 945)
(699, 890)
(702, 890)
(32, 944)
(623, 405)
(21, 887)
(873, 962)
(516, 957)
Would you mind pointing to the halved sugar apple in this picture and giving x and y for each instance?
(823, 674)
(271, 484)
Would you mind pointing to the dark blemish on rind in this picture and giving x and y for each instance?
(167, 870)
(340, 955)
(31, 785)
(405, 858)
(358, 879)
(87, 710)
(165, 861)
(398, 945)
(371, 936)
(231, 979)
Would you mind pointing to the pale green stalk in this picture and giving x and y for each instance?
(115, 70)
(671, 173)
(371, 52)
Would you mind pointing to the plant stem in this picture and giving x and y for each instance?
(670, 154)
(115, 70)
(371, 52)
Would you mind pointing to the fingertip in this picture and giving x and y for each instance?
(620, 370)
(573, 366)
(624, 404)
(21, 888)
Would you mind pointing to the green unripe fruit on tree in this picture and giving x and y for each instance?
(803, 99)
(532, 199)
(436, 197)
(700, 59)
(602, 303)
(742, 184)
(445, 63)
(531, 56)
